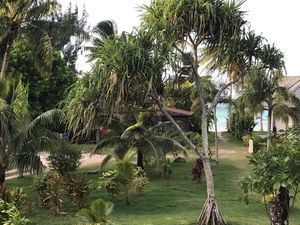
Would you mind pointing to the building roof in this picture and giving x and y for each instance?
(292, 83)
(178, 112)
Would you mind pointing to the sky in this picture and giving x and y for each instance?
(277, 20)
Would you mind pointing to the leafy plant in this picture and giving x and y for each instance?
(97, 214)
(140, 181)
(109, 182)
(166, 171)
(197, 170)
(77, 188)
(10, 215)
(275, 175)
(17, 197)
(64, 159)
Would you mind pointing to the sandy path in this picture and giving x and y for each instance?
(86, 159)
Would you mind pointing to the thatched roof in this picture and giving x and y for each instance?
(178, 112)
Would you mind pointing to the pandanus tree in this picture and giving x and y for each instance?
(129, 68)
(215, 26)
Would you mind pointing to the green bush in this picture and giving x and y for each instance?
(109, 182)
(166, 171)
(65, 159)
(10, 215)
(17, 197)
(140, 181)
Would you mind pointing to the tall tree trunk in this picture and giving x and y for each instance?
(269, 127)
(261, 121)
(216, 135)
(140, 159)
(210, 214)
(6, 57)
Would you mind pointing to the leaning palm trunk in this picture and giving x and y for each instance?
(6, 56)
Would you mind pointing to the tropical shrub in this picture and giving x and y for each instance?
(49, 188)
(140, 181)
(109, 182)
(97, 214)
(166, 171)
(10, 215)
(258, 141)
(17, 197)
(65, 159)
(197, 170)
(77, 188)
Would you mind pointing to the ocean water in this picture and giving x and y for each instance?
(222, 117)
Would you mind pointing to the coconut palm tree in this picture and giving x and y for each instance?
(146, 140)
(262, 88)
(22, 140)
(25, 18)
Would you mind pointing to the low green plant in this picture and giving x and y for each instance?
(17, 197)
(109, 182)
(166, 171)
(140, 181)
(10, 215)
(97, 214)
(65, 158)
(77, 188)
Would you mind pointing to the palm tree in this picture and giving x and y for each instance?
(97, 213)
(25, 18)
(146, 140)
(34, 21)
(262, 88)
(21, 140)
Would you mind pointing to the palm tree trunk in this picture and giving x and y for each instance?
(6, 57)
(126, 194)
(216, 135)
(261, 121)
(140, 159)
(269, 127)
(2, 181)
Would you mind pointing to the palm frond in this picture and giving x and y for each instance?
(40, 43)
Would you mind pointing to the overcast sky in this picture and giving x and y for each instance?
(276, 20)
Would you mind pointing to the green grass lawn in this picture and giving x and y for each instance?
(178, 203)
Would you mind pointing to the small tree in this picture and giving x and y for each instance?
(274, 176)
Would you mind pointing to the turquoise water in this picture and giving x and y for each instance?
(222, 116)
